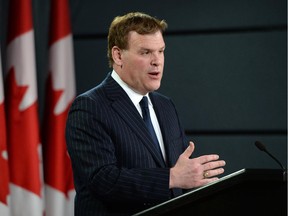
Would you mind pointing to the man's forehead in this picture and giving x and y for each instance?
(146, 41)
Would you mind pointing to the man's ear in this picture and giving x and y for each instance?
(117, 55)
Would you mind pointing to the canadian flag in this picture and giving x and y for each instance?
(60, 92)
(4, 172)
(23, 134)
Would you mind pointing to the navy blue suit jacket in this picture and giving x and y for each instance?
(117, 168)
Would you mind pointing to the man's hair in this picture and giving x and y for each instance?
(136, 21)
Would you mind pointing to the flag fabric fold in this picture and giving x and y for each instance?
(60, 92)
(21, 103)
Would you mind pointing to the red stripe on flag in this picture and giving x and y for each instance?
(20, 18)
(60, 91)
(59, 20)
(4, 175)
(21, 106)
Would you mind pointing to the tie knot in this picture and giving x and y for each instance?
(144, 102)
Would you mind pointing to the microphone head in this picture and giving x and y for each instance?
(260, 146)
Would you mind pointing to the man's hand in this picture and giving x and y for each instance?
(190, 173)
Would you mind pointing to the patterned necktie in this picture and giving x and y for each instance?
(147, 120)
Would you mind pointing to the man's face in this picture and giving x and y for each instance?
(143, 62)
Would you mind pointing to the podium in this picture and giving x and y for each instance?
(245, 192)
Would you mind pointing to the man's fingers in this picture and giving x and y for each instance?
(214, 164)
(207, 158)
(189, 150)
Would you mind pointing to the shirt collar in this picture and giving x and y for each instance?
(134, 96)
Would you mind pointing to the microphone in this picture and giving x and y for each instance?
(262, 147)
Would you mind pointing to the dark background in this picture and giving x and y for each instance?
(225, 68)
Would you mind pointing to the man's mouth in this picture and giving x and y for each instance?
(154, 74)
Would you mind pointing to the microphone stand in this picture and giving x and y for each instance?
(262, 147)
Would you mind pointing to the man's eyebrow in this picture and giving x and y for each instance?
(147, 49)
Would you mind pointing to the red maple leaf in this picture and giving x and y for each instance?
(57, 165)
(22, 138)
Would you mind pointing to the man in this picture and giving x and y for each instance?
(119, 169)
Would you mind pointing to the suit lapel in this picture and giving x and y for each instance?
(124, 107)
(162, 119)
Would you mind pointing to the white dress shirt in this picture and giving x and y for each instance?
(136, 98)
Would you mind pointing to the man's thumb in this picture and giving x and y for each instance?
(189, 150)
